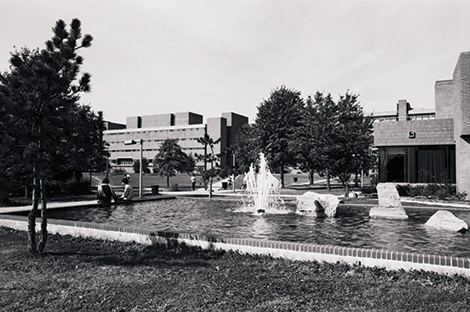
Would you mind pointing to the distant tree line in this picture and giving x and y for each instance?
(317, 134)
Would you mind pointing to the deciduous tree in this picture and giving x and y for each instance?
(278, 120)
(145, 165)
(171, 160)
(337, 138)
(246, 147)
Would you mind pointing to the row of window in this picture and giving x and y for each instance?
(151, 150)
(416, 117)
(155, 131)
(156, 140)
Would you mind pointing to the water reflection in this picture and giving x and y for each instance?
(352, 228)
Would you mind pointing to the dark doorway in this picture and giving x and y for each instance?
(396, 168)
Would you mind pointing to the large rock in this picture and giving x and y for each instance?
(388, 213)
(390, 206)
(388, 195)
(446, 220)
(311, 203)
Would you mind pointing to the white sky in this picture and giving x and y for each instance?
(214, 56)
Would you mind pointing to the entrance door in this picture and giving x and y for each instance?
(396, 167)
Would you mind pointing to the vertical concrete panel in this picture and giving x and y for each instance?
(133, 122)
(461, 100)
(443, 99)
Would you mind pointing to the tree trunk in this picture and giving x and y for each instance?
(32, 217)
(210, 187)
(167, 181)
(42, 242)
(310, 177)
(328, 184)
(282, 175)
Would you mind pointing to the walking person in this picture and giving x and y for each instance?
(193, 182)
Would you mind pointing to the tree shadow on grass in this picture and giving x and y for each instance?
(171, 254)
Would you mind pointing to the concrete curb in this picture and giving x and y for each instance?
(391, 260)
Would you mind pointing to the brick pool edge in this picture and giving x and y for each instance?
(388, 259)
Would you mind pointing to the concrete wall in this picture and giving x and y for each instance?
(403, 107)
(426, 132)
(160, 120)
(133, 122)
(187, 118)
(443, 91)
(461, 101)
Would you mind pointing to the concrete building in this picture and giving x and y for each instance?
(432, 147)
(153, 130)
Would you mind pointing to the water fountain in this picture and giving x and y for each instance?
(263, 190)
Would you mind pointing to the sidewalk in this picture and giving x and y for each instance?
(83, 203)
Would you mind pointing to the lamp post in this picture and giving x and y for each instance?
(233, 173)
(141, 142)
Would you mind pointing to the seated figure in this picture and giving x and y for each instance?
(106, 193)
(128, 193)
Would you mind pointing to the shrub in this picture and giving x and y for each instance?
(435, 191)
(369, 189)
(71, 186)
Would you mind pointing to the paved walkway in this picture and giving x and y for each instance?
(82, 203)
(217, 192)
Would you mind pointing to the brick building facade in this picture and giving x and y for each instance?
(435, 149)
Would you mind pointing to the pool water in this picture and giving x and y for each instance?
(223, 218)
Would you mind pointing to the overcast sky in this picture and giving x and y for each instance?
(214, 56)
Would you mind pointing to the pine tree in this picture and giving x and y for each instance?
(40, 97)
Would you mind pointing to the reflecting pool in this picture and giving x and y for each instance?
(225, 218)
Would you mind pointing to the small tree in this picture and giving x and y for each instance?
(145, 165)
(212, 158)
(39, 95)
(171, 159)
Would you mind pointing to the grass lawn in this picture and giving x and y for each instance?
(77, 274)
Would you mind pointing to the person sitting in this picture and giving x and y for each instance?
(105, 193)
(128, 193)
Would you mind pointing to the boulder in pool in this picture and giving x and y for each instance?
(446, 220)
(318, 205)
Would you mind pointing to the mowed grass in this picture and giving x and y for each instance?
(78, 274)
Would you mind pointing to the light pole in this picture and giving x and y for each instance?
(233, 172)
(141, 142)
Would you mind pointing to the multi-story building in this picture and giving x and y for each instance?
(431, 147)
(187, 127)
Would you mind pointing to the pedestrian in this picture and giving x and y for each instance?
(193, 182)
(106, 193)
(128, 193)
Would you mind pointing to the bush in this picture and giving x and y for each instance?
(434, 191)
(71, 186)
(371, 189)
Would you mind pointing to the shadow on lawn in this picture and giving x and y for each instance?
(172, 254)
